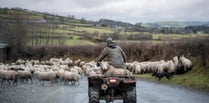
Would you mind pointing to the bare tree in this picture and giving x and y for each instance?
(14, 33)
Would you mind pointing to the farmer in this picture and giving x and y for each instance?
(115, 55)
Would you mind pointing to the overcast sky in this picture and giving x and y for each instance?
(122, 10)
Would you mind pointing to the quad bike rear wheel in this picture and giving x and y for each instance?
(93, 95)
(130, 95)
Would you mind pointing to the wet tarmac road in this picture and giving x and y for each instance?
(147, 92)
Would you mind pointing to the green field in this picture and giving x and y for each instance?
(92, 29)
(178, 36)
(71, 40)
(78, 42)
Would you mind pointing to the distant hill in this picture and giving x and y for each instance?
(175, 24)
(112, 23)
(196, 23)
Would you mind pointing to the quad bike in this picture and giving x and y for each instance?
(112, 87)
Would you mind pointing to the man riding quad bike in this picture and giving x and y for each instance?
(116, 82)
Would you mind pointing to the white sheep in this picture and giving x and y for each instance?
(182, 64)
(162, 67)
(68, 61)
(143, 67)
(171, 66)
(77, 62)
(186, 63)
(137, 68)
(77, 70)
(104, 65)
(47, 76)
(118, 71)
(9, 76)
(67, 76)
(130, 66)
(94, 73)
(25, 75)
(175, 60)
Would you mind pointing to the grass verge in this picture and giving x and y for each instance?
(191, 80)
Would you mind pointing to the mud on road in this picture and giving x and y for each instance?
(147, 92)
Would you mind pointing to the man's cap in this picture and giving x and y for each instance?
(109, 40)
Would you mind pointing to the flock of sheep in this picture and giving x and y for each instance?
(53, 70)
(178, 65)
(69, 71)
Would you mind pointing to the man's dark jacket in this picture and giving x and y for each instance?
(115, 55)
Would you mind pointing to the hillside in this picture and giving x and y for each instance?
(42, 26)
(51, 29)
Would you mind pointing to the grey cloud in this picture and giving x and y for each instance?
(93, 3)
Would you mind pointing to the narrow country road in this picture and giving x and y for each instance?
(147, 92)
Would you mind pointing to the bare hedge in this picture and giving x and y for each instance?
(142, 51)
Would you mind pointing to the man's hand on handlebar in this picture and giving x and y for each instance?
(98, 64)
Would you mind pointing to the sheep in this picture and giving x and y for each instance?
(118, 71)
(47, 76)
(9, 76)
(54, 60)
(25, 75)
(162, 67)
(65, 67)
(153, 65)
(104, 65)
(20, 61)
(175, 60)
(143, 67)
(186, 63)
(67, 61)
(91, 66)
(130, 66)
(4, 67)
(171, 67)
(2, 75)
(67, 76)
(137, 68)
(77, 70)
(94, 73)
(182, 64)
(86, 69)
(81, 63)
(34, 61)
(77, 62)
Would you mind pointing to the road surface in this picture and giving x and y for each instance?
(147, 92)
